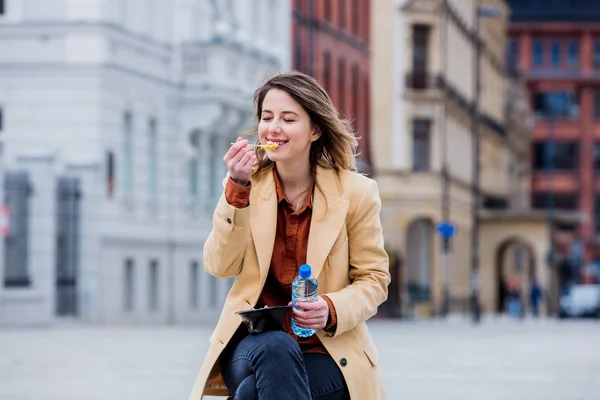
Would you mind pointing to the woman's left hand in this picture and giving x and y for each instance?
(314, 317)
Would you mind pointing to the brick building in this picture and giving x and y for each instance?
(557, 43)
(330, 41)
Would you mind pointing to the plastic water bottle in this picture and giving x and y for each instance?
(304, 290)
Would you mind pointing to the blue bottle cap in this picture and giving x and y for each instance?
(305, 271)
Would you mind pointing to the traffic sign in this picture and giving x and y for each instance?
(446, 229)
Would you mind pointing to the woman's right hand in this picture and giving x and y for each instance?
(239, 160)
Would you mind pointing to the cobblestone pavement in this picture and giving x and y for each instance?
(499, 359)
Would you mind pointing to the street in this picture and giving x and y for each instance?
(499, 359)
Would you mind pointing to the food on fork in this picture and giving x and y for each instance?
(269, 146)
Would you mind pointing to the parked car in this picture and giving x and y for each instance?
(581, 301)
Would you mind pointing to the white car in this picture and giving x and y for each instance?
(581, 301)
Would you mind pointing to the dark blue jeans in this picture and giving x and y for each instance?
(271, 366)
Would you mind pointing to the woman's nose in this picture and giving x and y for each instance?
(274, 126)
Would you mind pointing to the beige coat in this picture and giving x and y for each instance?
(345, 251)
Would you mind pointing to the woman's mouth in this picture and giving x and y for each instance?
(277, 143)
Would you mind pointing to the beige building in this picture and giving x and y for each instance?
(423, 89)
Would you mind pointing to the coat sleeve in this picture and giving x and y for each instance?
(224, 248)
(369, 266)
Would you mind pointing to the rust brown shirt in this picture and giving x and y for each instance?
(289, 252)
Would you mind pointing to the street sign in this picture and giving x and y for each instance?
(446, 230)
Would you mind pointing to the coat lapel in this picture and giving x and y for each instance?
(263, 220)
(328, 218)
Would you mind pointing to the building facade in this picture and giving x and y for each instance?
(558, 45)
(331, 43)
(426, 132)
(115, 118)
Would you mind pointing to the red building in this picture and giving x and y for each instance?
(330, 41)
(558, 44)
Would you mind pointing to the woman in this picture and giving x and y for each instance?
(300, 203)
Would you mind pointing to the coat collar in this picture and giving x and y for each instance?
(328, 218)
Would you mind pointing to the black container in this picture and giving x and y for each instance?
(264, 319)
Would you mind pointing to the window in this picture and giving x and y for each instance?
(152, 160)
(129, 286)
(555, 52)
(2, 7)
(153, 294)
(597, 105)
(556, 156)
(355, 94)
(559, 201)
(555, 104)
(128, 153)
(597, 54)
(538, 52)
(420, 38)
(596, 156)
(342, 84)
(298, 56)
(214, 164)
(513, 53)
(194, 167)
(342, 14)
(1, 115)
(17, 190)
(256, 21)
(193, 179)
(327, 9)
(110, 173)
(194, 284)
(573, 53)
(274, 20)
(495, 202)
(420, 148)
(355, 17)
(232, 68)
(327, 71)
(597, 212)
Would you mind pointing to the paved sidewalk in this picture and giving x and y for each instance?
(500, 359)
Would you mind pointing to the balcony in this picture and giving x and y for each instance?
(420, 81)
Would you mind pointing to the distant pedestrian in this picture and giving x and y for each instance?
(535, 296)
(514, 295)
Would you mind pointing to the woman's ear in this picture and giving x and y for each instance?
(316, 133)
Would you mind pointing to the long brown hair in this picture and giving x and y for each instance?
(335, 148)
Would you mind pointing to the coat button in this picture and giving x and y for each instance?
(228, 220)
(343, 362)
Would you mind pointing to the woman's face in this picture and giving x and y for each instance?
(285, 123)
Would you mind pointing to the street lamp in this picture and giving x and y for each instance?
(483, 11)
